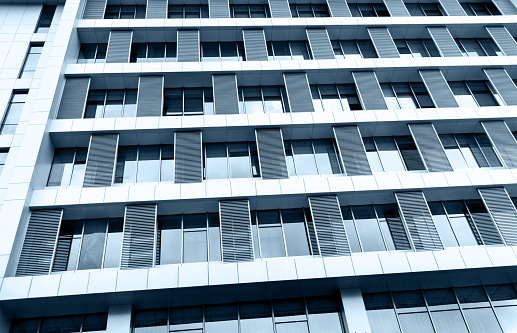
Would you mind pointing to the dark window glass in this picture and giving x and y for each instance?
(70, 324)
(45, 20)
(95, 322)
(501, 292)
(25, 326)
(157, 319)
(92, 246)
(170, 237)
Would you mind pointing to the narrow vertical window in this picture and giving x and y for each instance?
(3, 158)
(45, 20)
(31, 61)
(13, 113)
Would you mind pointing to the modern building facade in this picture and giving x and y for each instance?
(258, 166)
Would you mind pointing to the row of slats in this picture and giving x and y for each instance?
(100, 162)
(271, 154)
(502, 211)
(236, 230)
(188, 157)
(150, 96)
(139, 237)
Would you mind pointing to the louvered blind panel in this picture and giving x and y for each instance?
(503, 84)
(320, 44)
(398, 232)
(430, 147)
(279, 8)
(119, 46)
(369, 91)
(94, 9)
(503, 140)
(312, 233)
(219, 8)
(419, 221)
(188, 45)
(74, 97)
(226, 100)
(503, 39)
(396, 7)
(150, 96)
(383, 43)
(138, 242)
(506, 7)
(452, 8)
(351, 150)
(236, 230)
(101, 160)
(444, 42)
(156, 9)
(255, 44)
(188, 157)
(438, 88)
(503, 212)
(62, 250)
(298, 93)
(40, 240)
(271, 153)
(487, 229)
(330, 229)
(338, 8)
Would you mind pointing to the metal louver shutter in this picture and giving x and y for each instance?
(271, 153)
(503, 140)
(74, 97)
(369, 91)
(419, 221)
(503, 84)
(506, 7)
(255, 45)
(119, 46)
(226, 100)
(503, 39)
(298, 93)
(279, 8)
(398, 232)
(338, 8)
(188, 157)
(502, 211)
(383, 43)
(139, 238)
(101, 158)
(236, 230)
(452, 8)
(312, 233)
(94, 9)
(64, 242)
(486, 229)
(218, 9)
(438, 88)
(39, 243)
(351, 149)
(188, 45)
(396, 7)
(430, 147)
(329, 225)
(320, 44)
(444, 42)
(150, 96)
(156, 9)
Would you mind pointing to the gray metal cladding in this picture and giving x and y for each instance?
(452, 8)
(330, 229)
(39, 242)
(503, 140)
(188, 157)
(351, 150)
(279, 8)
(94, 9)
(503, 84)
(430, 147)
(226, 99)
(218, 8)
(320, 44)
(438, 88)
(271, 153)
(444, 42)
(100, 162)
(236, 237)
(119, 46)
(139, 237)
(255, 44)
(502, 211)
(369, 91)
(503, 39)
(506, 7)
(396, 7)
(156, 9)
(419, 221)
(298, 93)
(74, 98)
(383, 43)
(338, 8)
(150, 96)
(188, 45)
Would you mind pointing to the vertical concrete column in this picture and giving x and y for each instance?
(353, 311)
(119, 319)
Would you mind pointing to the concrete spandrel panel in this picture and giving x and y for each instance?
(449, 259)
(191, 275)
(103, 281)
(338, 266)
(163, 277)
(501, 255)
(255, 271)
(475, 257)
(366, 263)
(309, 267)
(281, 269)
(222, 273)
(15, 287)
(45, 286)
(133, 279)
(421, 261)
(394, 262)
(74, 283)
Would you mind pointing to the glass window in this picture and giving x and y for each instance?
(326, 158)
(404, 95)
(113, 243)
(409, 153)
(256, 317)
(216, 166)
(380, 312)
(148, 167)
(92, 246)
(239, 160)
(462, 94)
(418, 48)
(482, 93)
(150, 321)
(470, 47)
(388, 154)
(459, 219)
(416, 322)
(367, 49)
(31, 61)
(221, 318)
(481, 320)
(195, 243)
(14, 112)
(270, 234)
(61, 324)
(442, 224)
(372, 155)
(389, 96)
(330, 98)
(506, 316)
(62, 166)
(252, 100)
(126, 164)
(368, 228)
(490, 47)
(299, 50)
(170, 235)
(272, 100)
(138, 52)
(45, 19)
(3, 158)
(97, 322)
(295, 233)
(304, 158)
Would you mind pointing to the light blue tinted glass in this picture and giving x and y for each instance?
(222, 326)
(456, 158)
(271, 242)
(350, 49)
(254, 234)
(170, 239)
(389, 96)
(375, 161)
(462, 94)
(130, 103)
(295, 234)
(296, 327)
(113, 243)
(481, 320)
(92, 246)
(73, 257)
(368, 228)
(442, 225)
(449, 321)
(351, 233)
(126, 165)
(216, 161)
(416, 322)
(325, 323)
(239, 160)
(507, 318)
(417, 48)
(221, 318)
(62, 166)
(257, 325)
(148, 168)
(114, 103)
(326, 157)
(472, 47)
(195, 246)
(167, 170)
(214, 237)
(383, 321)
(304, 161)
(389, 155)
(272, 100)
(404, 95)
(456, 211)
